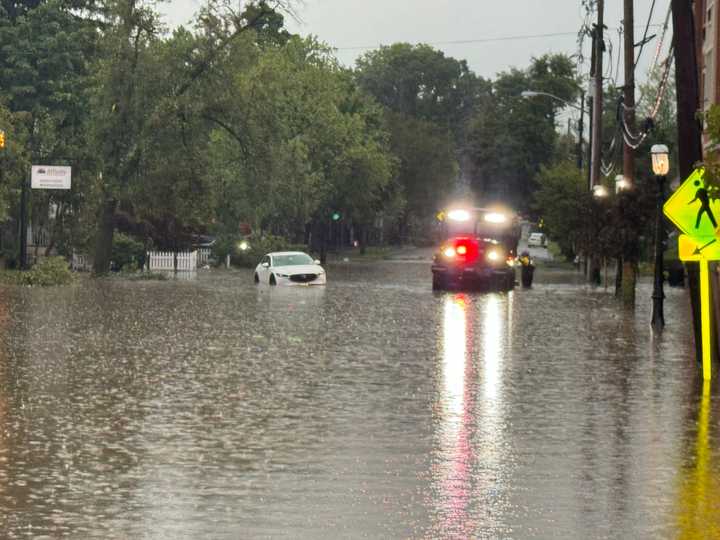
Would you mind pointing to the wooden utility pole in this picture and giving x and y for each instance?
(596, 151)
(689, 129)
(597, 97)
(628, 262)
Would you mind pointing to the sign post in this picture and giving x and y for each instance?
(41, 177)
(694, 208)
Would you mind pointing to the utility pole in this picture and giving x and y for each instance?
(596, 119)
(599, 47)
(628, 262)
(689, 130)
(581, 131)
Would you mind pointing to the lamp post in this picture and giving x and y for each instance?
(661, 167)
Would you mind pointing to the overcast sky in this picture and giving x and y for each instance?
(499, 29)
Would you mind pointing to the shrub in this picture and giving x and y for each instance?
(49, 271)
(127, 250)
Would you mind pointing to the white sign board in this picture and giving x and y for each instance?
(50, 177)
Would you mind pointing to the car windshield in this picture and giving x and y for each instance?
(292, 260)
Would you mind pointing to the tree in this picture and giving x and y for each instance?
(297, 140)
(131, 101)
(428, 99)
(420, 82)
(510, 138)
(565, 205)
(47, 48)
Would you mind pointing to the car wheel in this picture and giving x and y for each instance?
(256, 278)
(438, 283)
(272, 280)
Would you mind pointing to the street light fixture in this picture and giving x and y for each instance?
(532, 93)
(621, 183)
(661, 167)
(599, 191)
(660, 159)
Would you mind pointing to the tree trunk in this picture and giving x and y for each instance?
(362, 238)
(104, 238)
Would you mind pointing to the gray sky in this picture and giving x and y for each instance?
(350, 25)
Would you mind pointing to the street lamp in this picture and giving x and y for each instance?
(532, 93)
(581, 128)
(661, 167)
(599, 191)
(621, 183)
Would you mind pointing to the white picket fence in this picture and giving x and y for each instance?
(80, 262)
(165, 261)
(203, 256)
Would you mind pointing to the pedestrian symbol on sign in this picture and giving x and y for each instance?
(704, 196)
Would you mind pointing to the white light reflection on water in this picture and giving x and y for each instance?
(492, 349)
(470, 490)
(454, 360)
(453, 458)
(490, 444)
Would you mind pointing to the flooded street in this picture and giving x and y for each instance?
(371, 408)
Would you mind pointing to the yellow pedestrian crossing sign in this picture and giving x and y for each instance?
(690, 250)
(694, 208)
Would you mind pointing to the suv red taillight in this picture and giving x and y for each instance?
(463, 249)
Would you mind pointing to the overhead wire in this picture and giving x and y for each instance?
(645, 34)
(632, 140)
(518, 37)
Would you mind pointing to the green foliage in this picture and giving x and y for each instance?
(258, 246)
(420, 82)
(563, 201)
(127, 252)
(297, 140)
(48, 272)
(510, 137)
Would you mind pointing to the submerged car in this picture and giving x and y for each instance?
(289, 268)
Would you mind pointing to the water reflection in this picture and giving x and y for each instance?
(471, 451)
(699, 507)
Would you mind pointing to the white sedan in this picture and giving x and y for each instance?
(289, 268)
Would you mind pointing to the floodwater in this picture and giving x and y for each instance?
(371, 408)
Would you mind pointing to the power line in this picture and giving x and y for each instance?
(482, 40)
(645, 38)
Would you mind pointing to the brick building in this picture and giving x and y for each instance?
(707, 24)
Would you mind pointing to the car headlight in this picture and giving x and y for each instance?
(495, 217)
(282, 275)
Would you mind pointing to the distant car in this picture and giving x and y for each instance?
(537, 239)
(289, 268)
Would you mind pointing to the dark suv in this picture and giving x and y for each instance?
(469, 262)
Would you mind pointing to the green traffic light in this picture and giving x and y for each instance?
(336, 216)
